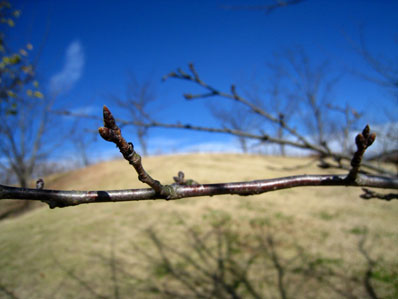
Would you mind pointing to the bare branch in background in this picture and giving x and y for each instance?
(23, 136)
(292, 136)
(369, 194)
(351, 117)
(267, 8)
(139, 95)
(111, 132)
(383, 69)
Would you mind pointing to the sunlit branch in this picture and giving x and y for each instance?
(61, 198)
(188, 188)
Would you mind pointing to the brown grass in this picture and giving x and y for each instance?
(67, 252)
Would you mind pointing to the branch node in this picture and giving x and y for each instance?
(180, 180)
(40, 184)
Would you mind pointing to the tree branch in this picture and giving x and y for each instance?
(188, 188)
(262, 137)
(301, 142)
(61, 198)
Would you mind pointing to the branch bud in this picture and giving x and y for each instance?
(106, 133)
(109, 120)
(360, 141)
(188, 96)
(371, 139)
(366, 132)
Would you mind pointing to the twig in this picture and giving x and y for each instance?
(112, 133)
(266, 8)
(369, 194)
(363, 141)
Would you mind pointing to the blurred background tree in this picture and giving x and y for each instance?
(27, 129)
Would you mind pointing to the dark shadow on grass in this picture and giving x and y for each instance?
(221, 262)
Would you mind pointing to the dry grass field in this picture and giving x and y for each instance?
(313, 242)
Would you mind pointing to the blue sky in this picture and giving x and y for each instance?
(91, 46)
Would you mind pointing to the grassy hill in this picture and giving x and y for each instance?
(323, 242)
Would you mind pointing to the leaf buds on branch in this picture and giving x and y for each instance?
(362, 141)
(112, 133)
(180, 180)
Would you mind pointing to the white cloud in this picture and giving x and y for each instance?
(230, 146)
(71, 71)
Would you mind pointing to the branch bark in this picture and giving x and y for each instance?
(61, 198)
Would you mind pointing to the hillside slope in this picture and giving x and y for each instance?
(105, 250)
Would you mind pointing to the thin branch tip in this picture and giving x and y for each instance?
(363, 141)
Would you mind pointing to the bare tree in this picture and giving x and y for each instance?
(311, 86)
(351, 118)
(23, 108)
(139, 95)
(294, 136)
(383, 70)
(272, 94)
(81, 140)
(22, 138)
(235, 119)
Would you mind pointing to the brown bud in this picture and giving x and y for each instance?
(179, 179)
(366, 132)
(360, 141)
(105, 133)
(371, 139)
(109, 120)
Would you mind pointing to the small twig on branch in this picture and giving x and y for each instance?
(40, 184)
(180, 180)
(369, 194)
(112, 133)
